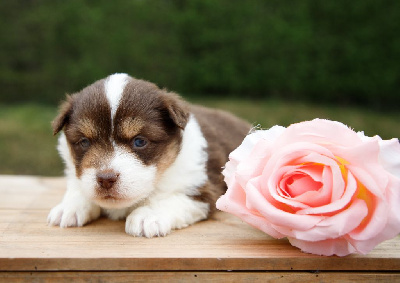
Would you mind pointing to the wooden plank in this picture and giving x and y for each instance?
(222, 243)
(199, 276)
(25, 192)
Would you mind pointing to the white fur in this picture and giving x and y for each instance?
(154, 207)
(135, 183)
(66, 156)
(162, 215)
(170, 206)
(188, 172)
(114, 86)
(75, 209)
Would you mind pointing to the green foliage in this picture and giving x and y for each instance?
(27, 145)
(328, 51)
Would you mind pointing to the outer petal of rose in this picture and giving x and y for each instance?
(229, 173)
(389, 153)
(391, 230)
(275, 215)
(235, 194)
(272, 133)
(375, 225)
(233, 204)
(389, 156)
(364, 163)
(393, 197)
(253, 164)
(248, 159)
(330, 247)
(250, 141)
(332, 227)
(319, 131)
(369, 181)
(392, 223)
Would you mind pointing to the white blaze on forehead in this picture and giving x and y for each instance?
(114, 87)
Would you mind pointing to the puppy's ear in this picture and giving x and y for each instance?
(63, 115)
(178, 109)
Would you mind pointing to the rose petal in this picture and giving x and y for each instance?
(250, 140)
(297, 180)
(281, 193)
(276, 215)
(364, 163)
(290, 155)
(368, 181)
(367, 239)
(390, 231)
(234, 202)
(313, 170)
(389, 156)
(376, 221)
(235, 194)
(338, 183)
(302, 184)
(339, 204)
(323, 195)
(272, 173)
(393, 198)
(319, 131)
(254, 163)
(229, 174)
(333, 227)
(339, 247)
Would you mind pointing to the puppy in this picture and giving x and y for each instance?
(138, 152)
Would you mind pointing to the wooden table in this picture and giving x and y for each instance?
(222, 248)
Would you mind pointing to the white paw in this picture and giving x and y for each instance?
(164, 215)
(70, 214)
(149, 223)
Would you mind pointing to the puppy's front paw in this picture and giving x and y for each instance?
(147, 222)
(69, 214)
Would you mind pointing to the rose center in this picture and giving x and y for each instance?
(300, 183)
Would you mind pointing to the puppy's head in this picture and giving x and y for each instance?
(122, 134)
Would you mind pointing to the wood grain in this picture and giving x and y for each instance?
(176, 276)
(222, 243)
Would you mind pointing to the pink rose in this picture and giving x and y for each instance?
(326, 188)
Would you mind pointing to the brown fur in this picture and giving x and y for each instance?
(131, 127)
(148, 111)
(223, 132)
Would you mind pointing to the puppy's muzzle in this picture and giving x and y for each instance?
(107, 178)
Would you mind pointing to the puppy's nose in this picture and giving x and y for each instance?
(106, 179)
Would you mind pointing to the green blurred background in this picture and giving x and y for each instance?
(270, 62)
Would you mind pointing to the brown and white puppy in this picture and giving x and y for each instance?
(135, 151)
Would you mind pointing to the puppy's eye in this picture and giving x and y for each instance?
(84, 143)
(139, 142)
